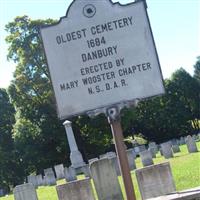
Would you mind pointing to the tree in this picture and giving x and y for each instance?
(197, 70)
(186, 89)
(8, 160)
(37, 128)
(95, 134)
(169, 116)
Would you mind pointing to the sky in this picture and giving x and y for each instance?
(175, 25)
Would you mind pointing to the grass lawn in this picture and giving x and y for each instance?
(185, 170)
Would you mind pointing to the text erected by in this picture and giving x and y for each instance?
(101, 54)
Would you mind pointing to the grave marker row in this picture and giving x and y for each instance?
(153, 181)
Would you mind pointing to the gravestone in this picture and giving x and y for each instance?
(182, 141)
(59, 169)
(155, 180)
(39, 180)
(103, 156)
(174, 142)
(153, 152)
(191, 144)
(175, 148)
(154, 146)
(131, 159)
(146, 158)
(166, 150)
(195, 137)
(139, 149)
(75, 155)
(92, 160)
(76, 190)
(25, 192)
(70, 174)
(44, 181)
(160, 149)
(136, 150)
(105, 180)
(133, 152)
(185, 139)
(142, 148)
(1, 192)
(110, 154)
(49, 176)
(114, 161)
(86, 170)
(33, 180)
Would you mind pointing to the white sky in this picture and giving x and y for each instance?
(175, 25)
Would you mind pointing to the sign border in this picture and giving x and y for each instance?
(102, 109)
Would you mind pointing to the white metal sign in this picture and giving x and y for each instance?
(101, 54)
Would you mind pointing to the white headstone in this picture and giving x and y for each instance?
(59, 169)
(105, 180)
(114, 162)
(75, 155)
(86, 170)
(155, 180)
(39, 180)
(33, 180)
(111, 154)
(166, 150)
(153, 145)
(194, 137)
(103, 156)
(182, 141)
(25, 192)
(146, 158)
(92, 160)
(70, 174)
(131, 159)
(176, 148)
(1, 192)
(191, 144)
(136, 150)
(153, 151)
(76, 190)
(49, 176)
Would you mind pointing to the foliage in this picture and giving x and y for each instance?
(169, 116)
(8, 160)
(95, 133)
(197, 70)
(37, 133)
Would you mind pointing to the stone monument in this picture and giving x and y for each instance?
(191, 144)
(75, 155)
(155, 180)
(25, 192)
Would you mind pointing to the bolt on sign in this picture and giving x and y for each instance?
(101, 54)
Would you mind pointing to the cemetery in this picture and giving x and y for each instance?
(89, 115)
(101, 181)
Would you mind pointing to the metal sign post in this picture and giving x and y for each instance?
(115, 123)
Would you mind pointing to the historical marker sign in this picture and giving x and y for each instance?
(101, 54)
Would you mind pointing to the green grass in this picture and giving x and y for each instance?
(185, 170)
